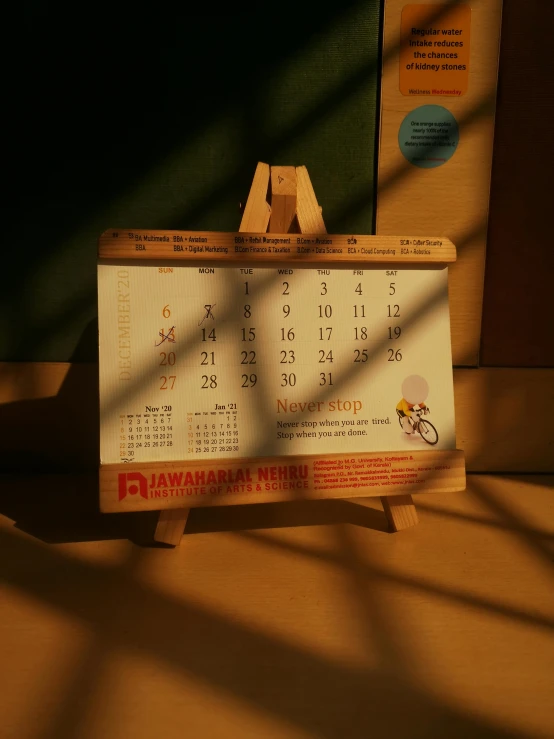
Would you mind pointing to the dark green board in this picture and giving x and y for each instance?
(158, 122)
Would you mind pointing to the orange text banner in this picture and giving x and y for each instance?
(154, 486)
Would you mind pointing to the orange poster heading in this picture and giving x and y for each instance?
(434, 50)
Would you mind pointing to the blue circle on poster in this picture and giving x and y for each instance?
(429, 136)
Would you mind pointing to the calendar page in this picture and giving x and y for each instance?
(200, 361)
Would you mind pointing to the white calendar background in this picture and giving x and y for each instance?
(202, 362)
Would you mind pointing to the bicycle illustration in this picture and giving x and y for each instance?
(420, 425)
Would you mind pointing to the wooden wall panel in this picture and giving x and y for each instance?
(518, 313)
(451, 200)
(501, 419)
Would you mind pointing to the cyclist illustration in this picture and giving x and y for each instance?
(412, 407)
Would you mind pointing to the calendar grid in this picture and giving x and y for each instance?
(296, 359)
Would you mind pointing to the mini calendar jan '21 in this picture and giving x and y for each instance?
(202, 362)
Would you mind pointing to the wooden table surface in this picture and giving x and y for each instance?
(279, 620)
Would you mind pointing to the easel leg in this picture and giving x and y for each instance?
(257, 211)
(400, 511)
(170, 526)
(308, 211)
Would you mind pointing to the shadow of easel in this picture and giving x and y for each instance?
(49, 452)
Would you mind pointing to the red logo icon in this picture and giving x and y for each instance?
(128, 484)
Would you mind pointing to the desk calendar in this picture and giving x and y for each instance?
(255, 368)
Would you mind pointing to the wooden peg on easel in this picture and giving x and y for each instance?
(171, 525)
(283, 199)
(400, 511)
